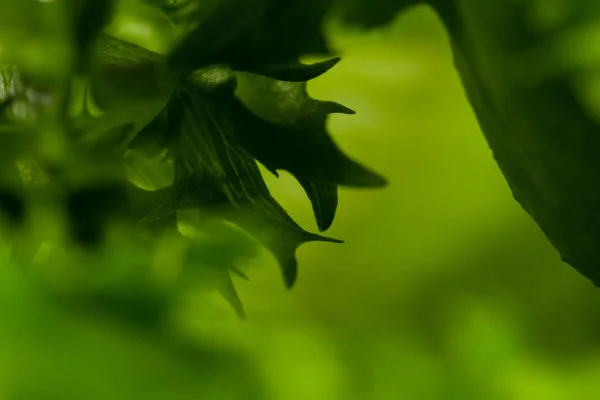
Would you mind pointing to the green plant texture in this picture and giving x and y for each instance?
(161, 158)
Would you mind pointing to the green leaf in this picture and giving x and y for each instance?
(129, 87)
(258, 32)
(215, 173)
(293, 72)
(20, 104)
(123, 73)
(89, 17)
(213, 136)
(227, 290)
(218, 249)
(197, 108)
(148, 173)
(545, 141)
(286, 129)
(373, 13)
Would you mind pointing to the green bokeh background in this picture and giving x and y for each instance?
(445, 288)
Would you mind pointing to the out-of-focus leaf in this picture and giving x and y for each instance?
(149, 173)
(124, 73)
(217, 249)
(130, 86)
(259, 32)
(530, 70)
(543, 138)
(89, 17)
(70, 349)
(22, 101)
(21, 105)
(13, 139)
(372, 13)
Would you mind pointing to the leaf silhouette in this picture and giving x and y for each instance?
(215, 173)
(285, 129)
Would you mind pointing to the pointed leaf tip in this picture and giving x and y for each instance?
(290, 275)
(286, 256)
(320, 238)
(294, 72)
(319, 68)
(229, 293)
(351, 173)
(324, 209)
(323, 196)
(331, 107)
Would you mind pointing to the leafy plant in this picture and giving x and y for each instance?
(130, 161)
(131, 136)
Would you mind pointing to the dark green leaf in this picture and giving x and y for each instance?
(259, 32)
(287, 130)
(123, 73)
(293, 72)
(215, 173)
(130, 85)
(89, 17)
(373, 13)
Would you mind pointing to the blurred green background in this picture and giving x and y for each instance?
(445, 288)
